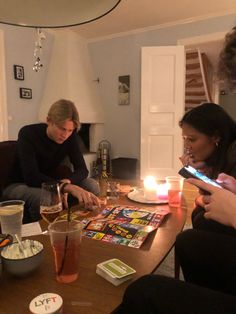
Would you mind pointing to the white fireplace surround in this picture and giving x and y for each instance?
(70, 76)
(96, 133)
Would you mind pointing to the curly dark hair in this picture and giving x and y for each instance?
(227, 60)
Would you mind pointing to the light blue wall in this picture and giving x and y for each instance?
(110, 58)
(122, 56)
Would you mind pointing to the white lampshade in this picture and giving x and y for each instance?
(53, 13)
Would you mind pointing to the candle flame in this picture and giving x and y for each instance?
(150, 183)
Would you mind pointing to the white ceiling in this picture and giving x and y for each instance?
(131, 15)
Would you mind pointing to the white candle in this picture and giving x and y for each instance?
(150, 188)
(162, 192)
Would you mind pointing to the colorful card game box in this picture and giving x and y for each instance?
(115, 271)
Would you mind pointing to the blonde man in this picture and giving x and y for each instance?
(41, 150)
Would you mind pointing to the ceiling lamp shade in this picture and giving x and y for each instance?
(53, 13)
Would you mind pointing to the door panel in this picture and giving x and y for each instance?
(162, 106)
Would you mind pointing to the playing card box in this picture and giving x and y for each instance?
(115, 271)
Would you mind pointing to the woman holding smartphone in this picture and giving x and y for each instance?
(207, 259)
(208, 262)
(209, 135)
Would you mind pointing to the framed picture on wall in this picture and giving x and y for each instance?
(124, 90)
(18, 72)
(25, 93)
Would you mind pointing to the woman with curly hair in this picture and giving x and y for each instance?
(227, 60)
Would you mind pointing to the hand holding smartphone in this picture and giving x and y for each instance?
(190, 172)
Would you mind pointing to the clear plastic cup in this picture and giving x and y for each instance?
(65, 240)
(175, 187)
(11, 215)
(113, 190)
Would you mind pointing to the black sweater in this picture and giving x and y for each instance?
(38, 157)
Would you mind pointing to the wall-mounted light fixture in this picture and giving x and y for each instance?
(52, 14)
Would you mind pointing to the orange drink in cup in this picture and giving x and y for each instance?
(65, 239)
(175, 186)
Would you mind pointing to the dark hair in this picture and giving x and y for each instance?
(227, 60)
(212, 120)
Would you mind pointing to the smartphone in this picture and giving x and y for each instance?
(190, 172)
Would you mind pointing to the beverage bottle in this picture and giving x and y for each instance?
(103, 176)
(99, 163)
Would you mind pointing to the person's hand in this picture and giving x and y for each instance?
(227, 182)
(220, 205)
(84, 197)
(64, 196)
(199, 201)
(187, 159)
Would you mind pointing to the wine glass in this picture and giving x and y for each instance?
(50, 201)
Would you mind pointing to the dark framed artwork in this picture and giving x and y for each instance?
(25, 93)
(18, 72)
(124, 90)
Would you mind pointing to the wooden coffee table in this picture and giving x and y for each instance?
(91, 293)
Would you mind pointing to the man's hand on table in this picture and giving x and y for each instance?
(88, 199)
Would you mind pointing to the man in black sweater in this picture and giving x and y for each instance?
(41, 150)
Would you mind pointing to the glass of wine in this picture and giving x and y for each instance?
(50, 201)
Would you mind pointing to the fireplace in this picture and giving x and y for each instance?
(90, 134)
(84, 134)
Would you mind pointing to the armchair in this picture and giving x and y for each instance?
(7, 156)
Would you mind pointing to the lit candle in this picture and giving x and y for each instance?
(162, 192)
(150, 188)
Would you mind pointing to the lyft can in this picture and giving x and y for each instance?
(46, 303)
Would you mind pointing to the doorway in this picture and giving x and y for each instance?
(211, 45)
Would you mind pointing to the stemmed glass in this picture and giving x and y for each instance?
(50, 201)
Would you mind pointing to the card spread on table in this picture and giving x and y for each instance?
(124, 225)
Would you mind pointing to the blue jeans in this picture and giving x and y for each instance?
(31, 196)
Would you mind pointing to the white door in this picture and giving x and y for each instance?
(162, 106)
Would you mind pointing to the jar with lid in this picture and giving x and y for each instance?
(46, 303)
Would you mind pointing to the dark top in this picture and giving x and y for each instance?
(230, 168)
(38, 157)
(198, 219)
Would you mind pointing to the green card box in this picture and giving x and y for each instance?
(115, 271)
